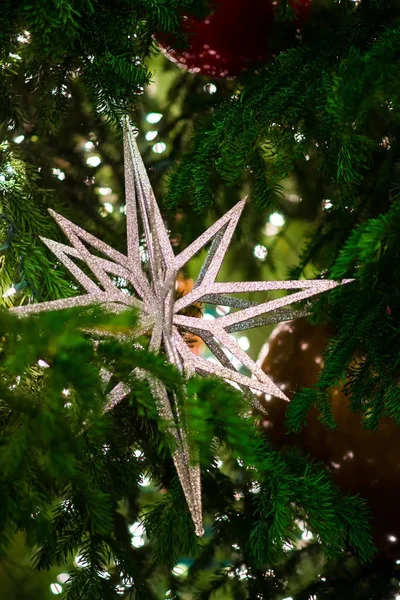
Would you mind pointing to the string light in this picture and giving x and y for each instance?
(60, 174)
(93, 161)
(223, 310)
(43, 364)
(10, 292)
(210, 88)
(80, 561)
(137, 530)
(180, 569)
(244, 342)
(153, 117)
(277, 219)
(108, 206)
(159, 147)
(299, 137)
(105, 191)
(151, 135)
(19, 139)
(145, 482)
(56, 588)
(260, 252)
(104, 574)
(24, 37)
(208, 316)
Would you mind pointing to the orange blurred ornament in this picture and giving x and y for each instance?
(184, 286)
(360, 461)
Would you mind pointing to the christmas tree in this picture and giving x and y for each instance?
(193, 404)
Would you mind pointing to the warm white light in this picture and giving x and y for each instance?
(23, 38)
(159, 148)
(210, 88)
(179, 569)
(108, 206)
(277, 219)
(63, 577)
(10, 292)
(60, 174)
(43, 364)
(56, 588)
(326, 204)
(137, 542)
(392, 538)
(154, 117)
(244, 342)
(150, 135)
(19, 139)
(89, 146)
(208, 317)
(255, 487)
(105, 191)
(307, 535)
(137, 529)
(299, 136)
(104, 574)
(260, 252)
(93, 161)
(80, 561)
(146, 481)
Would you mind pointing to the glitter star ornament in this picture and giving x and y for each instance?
(161, 314)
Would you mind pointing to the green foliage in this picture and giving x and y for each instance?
(25, 262)
(102, 43)
(67, 468)
(322, 99)
(364, 352)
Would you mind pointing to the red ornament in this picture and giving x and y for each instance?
(232, 39)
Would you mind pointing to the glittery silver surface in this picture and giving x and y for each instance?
(159, 312)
